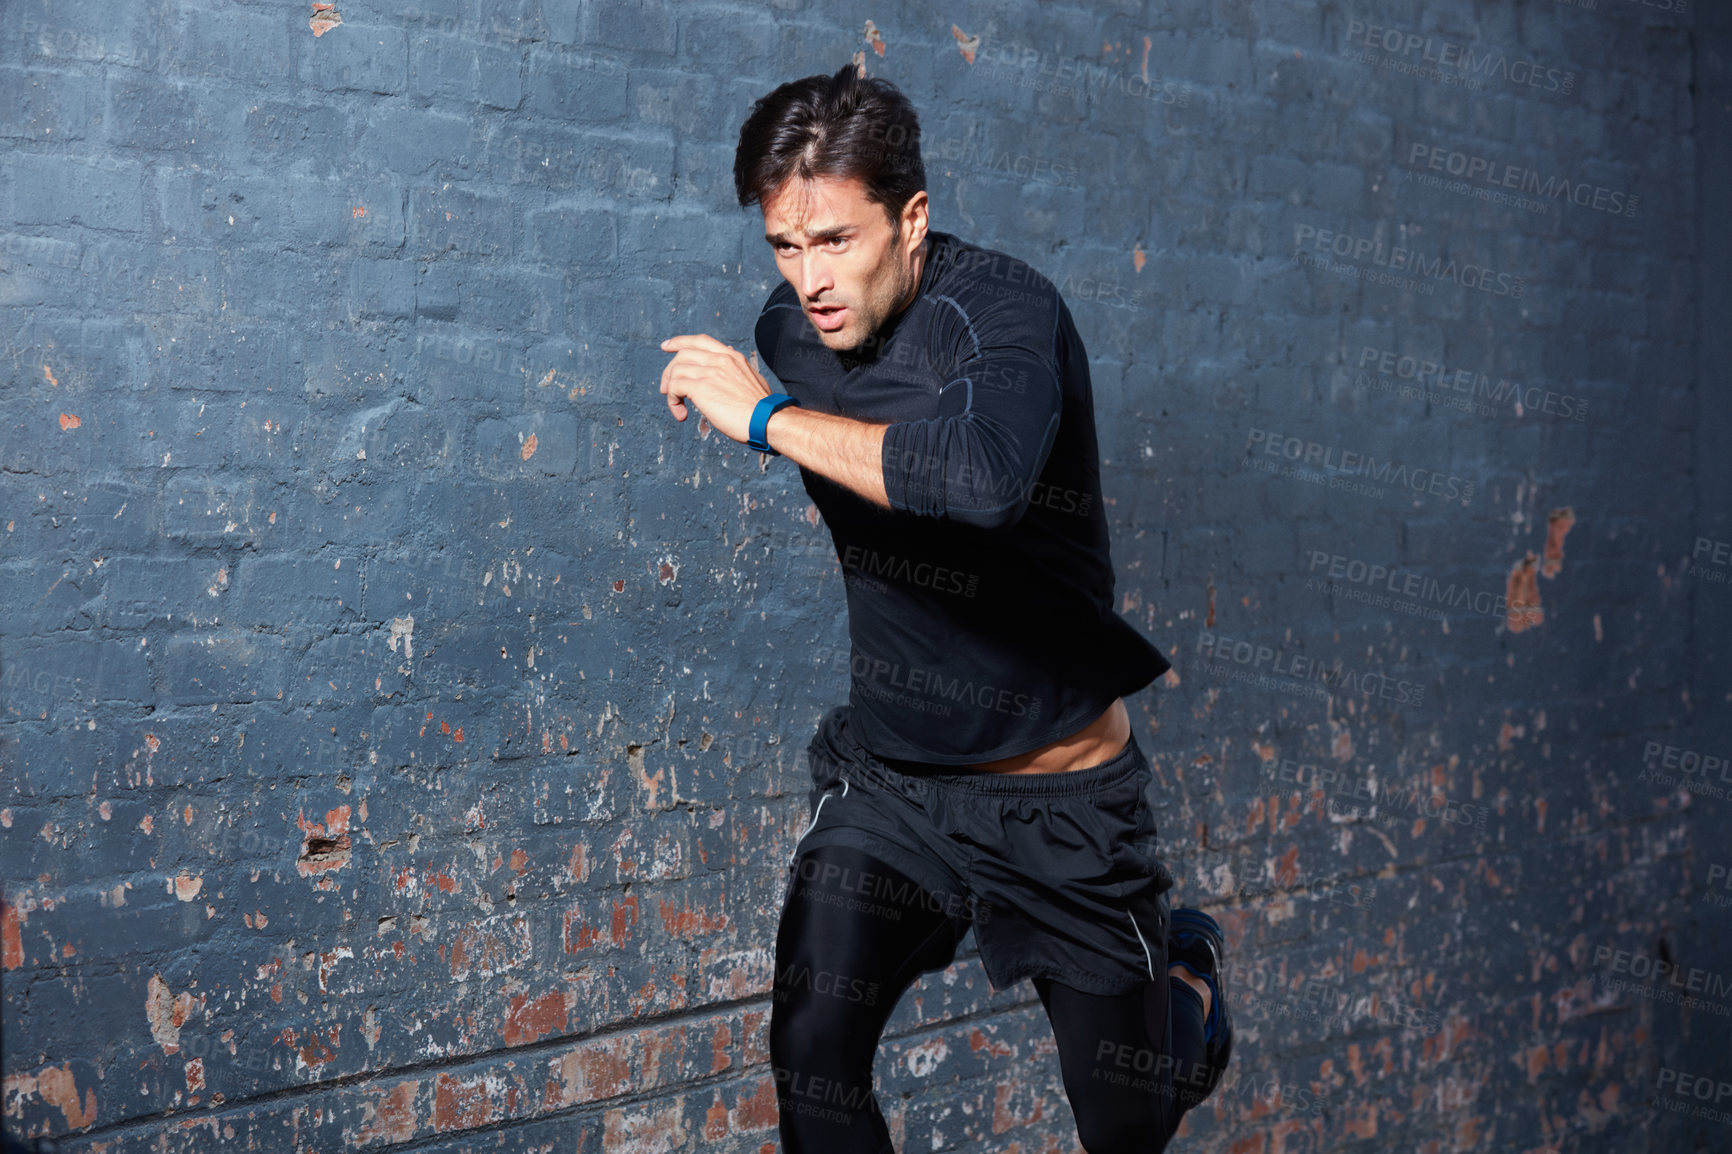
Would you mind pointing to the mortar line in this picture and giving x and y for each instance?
(531, 1049)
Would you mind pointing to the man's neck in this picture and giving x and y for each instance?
(919, 269)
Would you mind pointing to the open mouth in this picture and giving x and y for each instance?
(828, 318)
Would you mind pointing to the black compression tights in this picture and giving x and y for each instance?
(841, 964)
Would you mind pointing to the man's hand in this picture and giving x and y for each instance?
(718, 380)
(723, 384)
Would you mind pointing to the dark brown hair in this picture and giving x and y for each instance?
(844, 125)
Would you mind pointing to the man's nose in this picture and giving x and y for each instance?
(815, 276)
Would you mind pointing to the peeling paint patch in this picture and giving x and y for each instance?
(649, 1130)
(390, 1116)
(924, 1058)
(11, 937)
(491, 946)
(874, 38)
(755, 1111)
(403, 628)
(185, 886)
(463, 1104)
(57, 1087)
(1558, 525)
(1523, 595)
(324, 845)
(168, 1012)
(967, 45)
(528, 1020)
(69, 421)
(324, 19)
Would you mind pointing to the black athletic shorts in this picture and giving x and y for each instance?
(1055, 871)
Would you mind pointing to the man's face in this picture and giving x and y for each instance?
(852, 270)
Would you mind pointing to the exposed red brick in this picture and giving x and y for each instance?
(716, 1120)
(1558, 525)
(57, 1087)
(526, 1020)
(321, 1047)
(624, 917)
(390, 1115)
(756, 1110)
(1005, 1117)
(720, 1043)
(685, 922)
(651, 1129)
(1522, 596)
(586, 936)
(324, 845)
(595, 1071)
(11, 937)
(460, 1104)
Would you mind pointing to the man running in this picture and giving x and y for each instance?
(984, 772)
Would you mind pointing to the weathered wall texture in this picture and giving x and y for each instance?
(403, 715)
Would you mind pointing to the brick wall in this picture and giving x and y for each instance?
(403, 715)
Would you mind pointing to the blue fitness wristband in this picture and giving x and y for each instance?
(761, 420)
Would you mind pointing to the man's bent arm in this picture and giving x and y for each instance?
(846, 451)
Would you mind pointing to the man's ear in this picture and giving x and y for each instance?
(915, 218)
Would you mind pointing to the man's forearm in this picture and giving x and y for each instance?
(846, 451)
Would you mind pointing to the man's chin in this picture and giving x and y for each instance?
(843, 340)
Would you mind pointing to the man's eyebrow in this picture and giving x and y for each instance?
(821, 235)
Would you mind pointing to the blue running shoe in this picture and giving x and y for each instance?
(1194, 940)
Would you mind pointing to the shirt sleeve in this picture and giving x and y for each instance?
(977, 461)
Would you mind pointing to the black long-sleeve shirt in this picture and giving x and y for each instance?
(980, 605)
